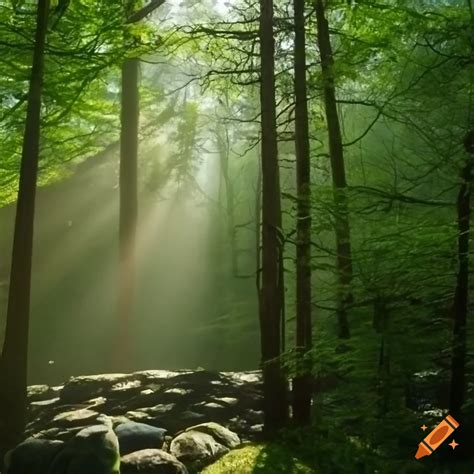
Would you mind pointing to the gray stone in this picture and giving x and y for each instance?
(40, 392)
(79, 389)
(93, 450)
(196, 449)
(224, 436)
(151, 461)
(79, 417)
(32, 456)
(133, 436)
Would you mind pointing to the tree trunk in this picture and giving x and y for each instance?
(274, 383)
(302, 386)
(223, 144)
(128, 208)
(460, 303)
(343, 238)
(13, 362)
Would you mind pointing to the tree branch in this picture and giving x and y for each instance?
(145, 11)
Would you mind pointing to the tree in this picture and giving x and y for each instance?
(14, 358)
(302, 386)
(336, 152)
(274, 383)
(129, 120)
(461, 293)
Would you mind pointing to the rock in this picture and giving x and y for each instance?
(133, 436)
(151, 461)
(172, 400)
(196, 449)
(256, 429)
(32, 456)
(80, 389)
(40, 405)
(227, 401)
(79, 417)
(250, 377)
(93, 450)
(224, 436)
(38, 393)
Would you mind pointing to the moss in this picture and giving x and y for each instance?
(259, 459)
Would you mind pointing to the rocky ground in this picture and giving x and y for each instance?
(164, 421)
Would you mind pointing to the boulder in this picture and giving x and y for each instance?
(224, 436)
(38, 393)
(151, 461)
(133, 436)
(93, 450)
(32, 456)
(196, 449)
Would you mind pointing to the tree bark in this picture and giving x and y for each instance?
(302, 386)
(14, 359)
(128, 207)
(274, 383)
(223, 144)
(336, 152)
(461, 295)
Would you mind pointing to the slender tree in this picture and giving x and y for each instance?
(129, 121)
(274, 383)
(336, 152)
(461, 293)
(14, 359)
(302, 382)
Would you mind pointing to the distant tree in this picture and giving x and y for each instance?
(461, 293)
(129, 120)
(274, 382)
(14, 358)
(302, 386)
(336, 153)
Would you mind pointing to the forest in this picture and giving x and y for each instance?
(235, 236)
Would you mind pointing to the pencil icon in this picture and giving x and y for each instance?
(437, 437)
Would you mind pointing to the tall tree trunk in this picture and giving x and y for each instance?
(128, 207)
(302, 386)
(14, 359)
(258, 228)
(274, 383)
(129, 120)
(343, 238)
(223, 144)
(461, 294)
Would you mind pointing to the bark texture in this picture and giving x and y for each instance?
(14, 359)
(302, 386)
(274, 383)
(336, 152)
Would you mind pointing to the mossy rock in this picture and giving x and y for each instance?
(270, 458)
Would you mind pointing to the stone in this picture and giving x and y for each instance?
(38, 393)
(79, 417)
(151, 461)
(196, 449)
(171, 400)
(224, 436)
(227, 401)
(93, 450)
(32, 456)
(133, 436)
(85, 387)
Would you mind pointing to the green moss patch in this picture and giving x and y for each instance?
(270, 458)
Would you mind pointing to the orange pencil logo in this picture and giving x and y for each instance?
(437, 437)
